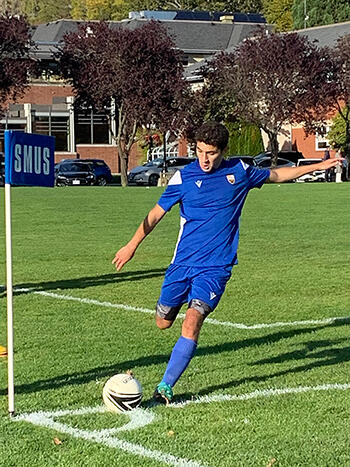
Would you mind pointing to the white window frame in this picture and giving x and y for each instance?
(322, 139)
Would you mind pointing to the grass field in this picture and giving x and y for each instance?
(275, 392)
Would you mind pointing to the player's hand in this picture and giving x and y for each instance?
(329, 163)
(123, 256)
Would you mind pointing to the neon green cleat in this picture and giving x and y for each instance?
(163, 393)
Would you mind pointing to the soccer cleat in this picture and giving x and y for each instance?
(163, 393)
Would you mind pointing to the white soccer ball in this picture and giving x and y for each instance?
(121, 393)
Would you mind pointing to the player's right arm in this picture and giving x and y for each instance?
(147, 225)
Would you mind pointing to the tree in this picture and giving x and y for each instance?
(94, 9)
(319, 12)
(270, 80)
(15, 61)
(138, 72)
(43, 11)
(279, 13)
(337, 134)
(338, 97)
(244, 139)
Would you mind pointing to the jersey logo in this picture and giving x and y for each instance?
(231, 179)
(198, 183)
(212, 295)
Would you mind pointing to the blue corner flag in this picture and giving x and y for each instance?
(29, 159)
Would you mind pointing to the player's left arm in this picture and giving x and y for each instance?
(283, 174)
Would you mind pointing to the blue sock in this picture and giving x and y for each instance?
(181, 356)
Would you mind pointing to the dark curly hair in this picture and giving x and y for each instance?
(213, 133)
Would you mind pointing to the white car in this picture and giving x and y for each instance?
(316, 176)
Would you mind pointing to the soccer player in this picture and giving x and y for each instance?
(211, 192)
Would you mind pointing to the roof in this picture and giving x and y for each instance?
(192, 37)
(326, 36)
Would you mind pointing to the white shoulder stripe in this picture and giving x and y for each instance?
(182, 225)
(244, 165)
(176, 179)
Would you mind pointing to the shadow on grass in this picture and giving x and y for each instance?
(321, 353)
(85, 282)
(335, 356)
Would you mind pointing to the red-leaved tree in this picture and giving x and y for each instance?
(15, 61)
(136, 71)
(270, 81)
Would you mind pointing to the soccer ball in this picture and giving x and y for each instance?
(122, 392)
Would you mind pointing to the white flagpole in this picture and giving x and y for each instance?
(9, 293)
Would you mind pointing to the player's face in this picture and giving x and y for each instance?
(209, 157)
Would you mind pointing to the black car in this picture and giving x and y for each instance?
(292, 156)
(101, 170)
(266, 163)
(74, 173)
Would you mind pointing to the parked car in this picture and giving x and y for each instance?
(250, 160)
(266, 163)
(149, 173)
(316, 176)
(74, 173)
(292, 156)
(101, 170)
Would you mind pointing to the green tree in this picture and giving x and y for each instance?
(319, 12)
(245, 139)
(78, 9)
(99, 9)
(43, 11)
(279, 12)
(337, 134)
(121, 10)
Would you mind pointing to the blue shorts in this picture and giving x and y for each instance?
(201, 288)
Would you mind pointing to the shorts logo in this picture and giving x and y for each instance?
(212, 295)
(231, 179)
(198, 183)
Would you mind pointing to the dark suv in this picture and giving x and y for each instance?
(101, 170)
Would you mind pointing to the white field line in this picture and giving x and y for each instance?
(261, 393)
(138, 419)
(216, 322)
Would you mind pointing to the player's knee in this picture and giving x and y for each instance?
(163, 323)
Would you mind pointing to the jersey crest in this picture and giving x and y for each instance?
(231, 178)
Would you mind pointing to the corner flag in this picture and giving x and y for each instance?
(29, 160)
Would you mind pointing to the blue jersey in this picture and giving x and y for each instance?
(210, 208)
